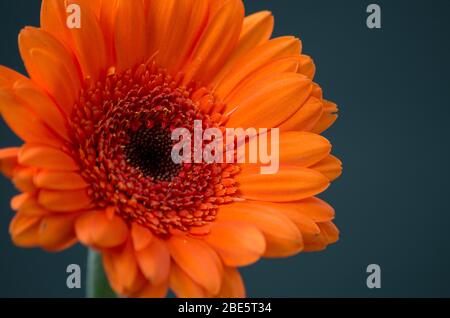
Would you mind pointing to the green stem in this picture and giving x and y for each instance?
(97, 284)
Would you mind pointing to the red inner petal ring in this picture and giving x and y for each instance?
(122, 135)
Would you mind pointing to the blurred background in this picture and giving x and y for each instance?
(392, 86)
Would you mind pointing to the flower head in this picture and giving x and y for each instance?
(96, 116)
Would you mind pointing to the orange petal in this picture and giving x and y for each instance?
(42, 106)
(198, 260)
(24, 122)
(257, 29)
(107, 19)
(130, 39)
(8, 77)
(330, 231)
(23, 179)
(122, 270)
(24, 230)
(59, 180)
(237, 243)
(94, 228)
(168, 21)
(56, 232)
(307, 66)
(8, 160)
(54, 20)
(314, 208)
(54, 16)
(19, 200)
(282, 65)
(64, 201)
(314, 243)
(290, 183)
(215, 6)
(217, 42)
(306, 116)
(282, 236)
(232, 285)
(269, 102)
(30, 207)
(141, 236)
(329, 234)
(328, 118)
(50, 65)
(88, 39)
(154, 261)
(331, 167)
(303, 148)
(44, 157)
(182, 284)
(304, 223)
(254, 60)
(191, 20)
(153, 291)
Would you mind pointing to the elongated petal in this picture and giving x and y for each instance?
(59, 180)
(303, 222)
(281, 65)
(330, 231)
(314, 208)
(89, 44)
(328, 118)
(307, 66)
(8, 77)
(293, 147)
(8, 160)
(50, 65)
(30, 207)
(20, 200)
(282, 236)
(331, 167)
(270, 102)
(181, 44)
(168, 21)
(64, 201)
(237, 243)
(183, 285)
(130, 39)
(42, 106)
(122, 270)
(306, 116)
(44, 157)
(302, 148)
(56, 232)
(154, 261)
(220, 37)
(94, 228)
(24, 122)
(141, 236)
(107, 20)
(198, 260)
(23, 179)
(329, 234)
(257, 29)
(254, 60)
(24, 230)
(54, 20)
(290, 183)
(153, 291)
(232, 285)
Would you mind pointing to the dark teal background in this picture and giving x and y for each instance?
(392, 86)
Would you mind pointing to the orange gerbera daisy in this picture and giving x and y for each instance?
(96, 115)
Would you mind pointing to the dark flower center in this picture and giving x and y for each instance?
(121, 136)
(150, 150)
